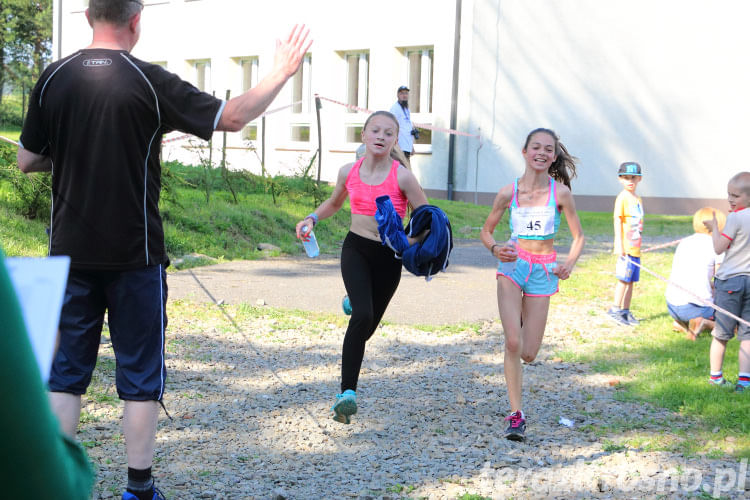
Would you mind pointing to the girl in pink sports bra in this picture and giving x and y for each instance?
(370, 270)
(534, 201)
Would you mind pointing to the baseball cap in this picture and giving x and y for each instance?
(629, 168)
(403, 87)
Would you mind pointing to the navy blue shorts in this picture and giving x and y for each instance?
(135, 302)
(626, 271)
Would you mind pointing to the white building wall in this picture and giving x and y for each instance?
(177, 31)
(662, 83)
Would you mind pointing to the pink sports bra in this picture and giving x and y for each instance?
(362, 196)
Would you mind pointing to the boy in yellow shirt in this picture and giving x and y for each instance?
(628, 224)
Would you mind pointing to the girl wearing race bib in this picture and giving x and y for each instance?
(534, 202)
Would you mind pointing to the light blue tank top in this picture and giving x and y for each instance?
(535, 223)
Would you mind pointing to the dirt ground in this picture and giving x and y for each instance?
(250, 397)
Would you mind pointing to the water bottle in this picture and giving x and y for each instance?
(311, 245)
(507, 268)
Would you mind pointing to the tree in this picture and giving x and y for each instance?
(25, 41)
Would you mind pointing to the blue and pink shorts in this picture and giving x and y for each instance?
(533, 274)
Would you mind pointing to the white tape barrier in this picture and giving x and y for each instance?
(699, 299)
(9, 141)
(420, 125)
(270, 111)
(282, 108)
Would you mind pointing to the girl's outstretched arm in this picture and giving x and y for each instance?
(565, 197)
(332, 204)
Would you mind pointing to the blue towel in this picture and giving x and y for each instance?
(390, 225)
(422, 259)
(431, 255)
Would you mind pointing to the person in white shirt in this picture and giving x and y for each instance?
(691, 279)
(406, 131)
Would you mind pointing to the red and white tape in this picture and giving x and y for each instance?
(663, 245)
(420, 125)
(689, 292)
(177, 138)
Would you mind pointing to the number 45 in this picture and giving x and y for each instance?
(534, 225)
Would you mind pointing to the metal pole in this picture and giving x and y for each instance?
(224, 143)
(454, 100)
(320, 139)
(23, 102)
(263, 143)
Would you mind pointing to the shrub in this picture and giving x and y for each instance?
(33, 192)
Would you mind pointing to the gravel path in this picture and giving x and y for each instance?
(250, 394)
(250, 390)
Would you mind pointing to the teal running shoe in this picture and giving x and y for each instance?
(345, 406)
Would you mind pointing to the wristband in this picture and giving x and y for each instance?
(492, 248)
(314, 217)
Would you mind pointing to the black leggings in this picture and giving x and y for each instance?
(371, 275)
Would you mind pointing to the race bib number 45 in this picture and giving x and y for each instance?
(534, 221)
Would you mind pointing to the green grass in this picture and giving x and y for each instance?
(658, 365)
(222, 230)
(10, 132)
(11, 111)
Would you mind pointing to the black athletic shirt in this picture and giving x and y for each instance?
(100, 115)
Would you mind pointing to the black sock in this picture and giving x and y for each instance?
(140, 483)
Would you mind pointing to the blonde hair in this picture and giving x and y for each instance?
(707, 213)
(398, 155)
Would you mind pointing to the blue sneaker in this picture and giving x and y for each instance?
(618, 315)
(632, 320)
(722, 382)
(158, 495)
(345, 406)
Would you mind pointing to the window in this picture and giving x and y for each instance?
(249, 67)
(354, 133)
(420, 79)
(202, 74)
(301, 93)
(248, 79)
(300, 132)
(357, 72)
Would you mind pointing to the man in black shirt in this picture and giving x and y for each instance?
(96, 120)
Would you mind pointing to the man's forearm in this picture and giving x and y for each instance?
(29, 162)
